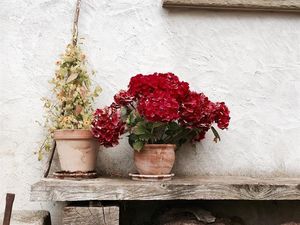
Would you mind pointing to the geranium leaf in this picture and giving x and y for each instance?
(131, 139)
(144, 137)
(217, 136)
(138, 130)
(138, 145)
(173, 126)
(130, 119)
(157, 124)
(124, 114)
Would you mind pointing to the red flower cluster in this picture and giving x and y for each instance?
(159, 106)
(107, 125)
(141, 85)
(159, 97)
(222, 115)
(197, 111)
(123, 98)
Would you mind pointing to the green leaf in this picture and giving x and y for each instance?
(124, 114)
(140, 128)
(131, 139)
(144, 137)
(129, 119)
(173, 126)
(217, 136)
(138, 145)
(157, 124)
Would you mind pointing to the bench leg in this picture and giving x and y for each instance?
(91, 215)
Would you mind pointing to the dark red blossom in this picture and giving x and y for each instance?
(143, 85)
(107, 126)
(222, 117)
(197, 111)
(159, 106)
(123, 98)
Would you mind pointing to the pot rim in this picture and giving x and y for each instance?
(159, 145)
(72, 134)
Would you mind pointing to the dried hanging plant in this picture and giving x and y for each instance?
(71, 104)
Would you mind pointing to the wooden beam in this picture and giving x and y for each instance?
(248, 5)
(185, 188)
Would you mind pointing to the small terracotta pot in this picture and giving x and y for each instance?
(77, 150)
(155, 159)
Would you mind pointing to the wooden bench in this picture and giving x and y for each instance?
(185, 188)
(180, 188)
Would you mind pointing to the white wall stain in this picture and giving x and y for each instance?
(249, 60)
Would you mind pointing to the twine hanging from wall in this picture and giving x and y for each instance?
(75, 23)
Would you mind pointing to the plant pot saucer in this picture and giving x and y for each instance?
(77, 174)
(143, 177)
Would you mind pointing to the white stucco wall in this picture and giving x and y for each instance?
(249, 60)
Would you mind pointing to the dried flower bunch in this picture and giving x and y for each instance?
(71, 105)
(158, 109)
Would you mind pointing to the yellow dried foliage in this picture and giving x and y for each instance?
(73, 97)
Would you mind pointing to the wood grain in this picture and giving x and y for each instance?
(23, 217)
(91, 215)
(189, 188)
(252, 5)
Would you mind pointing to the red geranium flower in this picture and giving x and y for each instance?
(159, 107)
(107, 125)
(197, 111)
(123, 98)
(141, 85)
(222, 117)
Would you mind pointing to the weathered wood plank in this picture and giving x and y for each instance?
(252, 5)
(50, 189)
(29, 217)
(74, 215)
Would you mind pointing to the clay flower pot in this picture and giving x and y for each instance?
(155, 159)
(77, 150)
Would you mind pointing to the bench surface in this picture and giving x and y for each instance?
(180, 188)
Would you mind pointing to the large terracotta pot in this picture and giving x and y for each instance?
(155, 159)
(77, 150)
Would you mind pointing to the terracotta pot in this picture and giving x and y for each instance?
(155, 159)
(77, 150)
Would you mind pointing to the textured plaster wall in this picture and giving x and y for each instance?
(249, 60)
